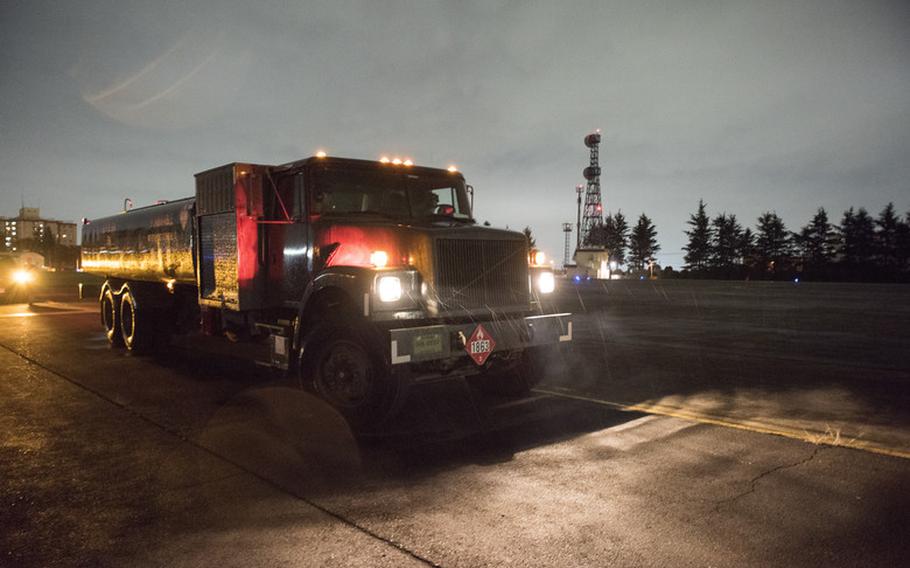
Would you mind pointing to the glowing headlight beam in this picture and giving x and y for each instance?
(546, 282)
(22, 276)
(389, 288)
(379, 258)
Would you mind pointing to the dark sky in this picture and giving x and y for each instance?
(752, 106)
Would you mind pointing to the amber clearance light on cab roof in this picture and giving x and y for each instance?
(396, 161)
(408, 162)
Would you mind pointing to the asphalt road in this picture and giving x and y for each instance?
(694, 424)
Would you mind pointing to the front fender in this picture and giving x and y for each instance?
(355, 283)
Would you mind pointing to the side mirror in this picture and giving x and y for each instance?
(318, 200)
(470, 189)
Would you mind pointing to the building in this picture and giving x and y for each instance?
(29, 226)
(591, 262)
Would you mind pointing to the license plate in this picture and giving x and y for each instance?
(428, 344)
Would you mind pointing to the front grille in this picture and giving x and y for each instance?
(477, 273)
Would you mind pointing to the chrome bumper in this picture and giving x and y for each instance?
(447, 341)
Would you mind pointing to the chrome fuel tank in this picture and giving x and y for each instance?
(153, 244)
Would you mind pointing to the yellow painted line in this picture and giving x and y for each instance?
(815, 437)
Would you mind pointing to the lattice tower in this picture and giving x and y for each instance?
(593, 210)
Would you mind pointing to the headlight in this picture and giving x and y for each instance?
(23, 276)
(389, 288)
(546, 282)
(379, 258)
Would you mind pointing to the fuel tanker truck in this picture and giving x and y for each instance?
(363, 278)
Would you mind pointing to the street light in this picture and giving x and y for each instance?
(579, 189)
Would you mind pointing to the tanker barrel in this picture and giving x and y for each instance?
(153, 244)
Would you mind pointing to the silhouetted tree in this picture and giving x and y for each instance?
(857, 238)
(887, 238)
(725, 242)
(596, 237)
(643, 243)
(698, 251)
(532, 242)
(772, 242)
(903, 244)
(616, 236)
(817, 241)
(746, 247)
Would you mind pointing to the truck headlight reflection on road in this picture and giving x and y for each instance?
(546, 282)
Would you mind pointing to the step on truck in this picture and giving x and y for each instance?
(362, 277)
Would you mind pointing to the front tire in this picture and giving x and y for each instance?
(344, 368)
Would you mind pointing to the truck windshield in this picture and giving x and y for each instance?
(391, 194)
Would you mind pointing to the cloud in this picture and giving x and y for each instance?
(750, 105)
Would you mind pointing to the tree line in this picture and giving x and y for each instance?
(860, 248)
(56, 255)
(634, 247)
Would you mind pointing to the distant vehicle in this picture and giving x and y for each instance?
(363, 277)
(17, 280)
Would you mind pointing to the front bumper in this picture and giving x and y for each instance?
(446, 341)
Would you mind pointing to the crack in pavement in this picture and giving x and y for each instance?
(753, 484)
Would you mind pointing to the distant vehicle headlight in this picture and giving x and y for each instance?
(23, 276)
(389, 288)
(546, 282)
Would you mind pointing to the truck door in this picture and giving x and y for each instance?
(292, 247)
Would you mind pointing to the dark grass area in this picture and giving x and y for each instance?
(645, 340)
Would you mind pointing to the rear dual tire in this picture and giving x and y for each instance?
(125, 324)
(136, 329)
(110, 317)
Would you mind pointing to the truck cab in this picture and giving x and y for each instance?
(362, 277)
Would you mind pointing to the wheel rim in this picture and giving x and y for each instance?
(107, 314)
(127, 320)
(346, 375)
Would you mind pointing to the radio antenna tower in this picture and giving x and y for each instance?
(567, 229)
(593, 213)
